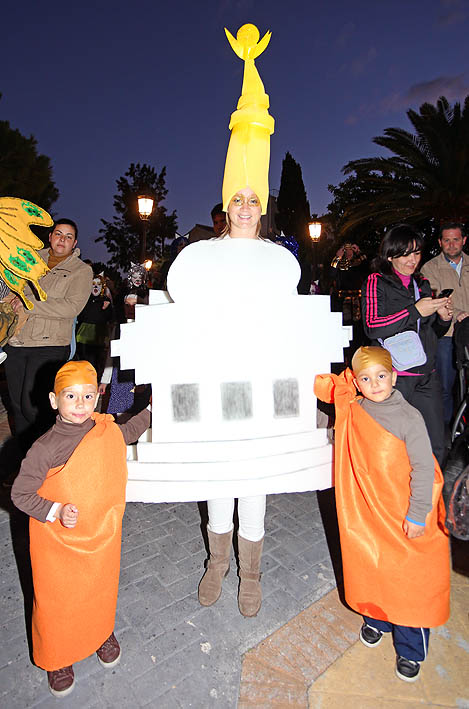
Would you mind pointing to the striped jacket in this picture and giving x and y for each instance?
(388, 307)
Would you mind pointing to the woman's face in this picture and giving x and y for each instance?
(244, 211)
(407, 264)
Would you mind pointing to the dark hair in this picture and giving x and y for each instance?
(451, 225)
(66, 221)
(218, 209)
(179, 241)
(400, 240)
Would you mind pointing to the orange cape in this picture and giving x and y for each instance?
(386, 575)
(76, 571)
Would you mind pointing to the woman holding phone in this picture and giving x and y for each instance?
(396, 298)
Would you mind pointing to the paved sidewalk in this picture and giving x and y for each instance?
(179, 654)
(175, 652)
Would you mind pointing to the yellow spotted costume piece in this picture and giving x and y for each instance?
(19, 260)
(251, 125)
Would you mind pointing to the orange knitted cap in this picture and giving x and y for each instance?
(365, 357)
(75, 373)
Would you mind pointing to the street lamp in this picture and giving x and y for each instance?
(314, 229)
(315, 232)
(145, 208)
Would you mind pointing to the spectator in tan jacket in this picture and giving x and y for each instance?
(450, 269)
(42, 345)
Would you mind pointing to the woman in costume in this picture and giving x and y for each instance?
(397, 299)
(239, 265)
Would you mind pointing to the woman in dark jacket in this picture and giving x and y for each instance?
(396, 298)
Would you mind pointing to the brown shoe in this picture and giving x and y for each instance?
(217, 567)
(61, 682)
(249, 594)
(109, 653)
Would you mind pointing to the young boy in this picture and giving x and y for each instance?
(391, 514)
(76, 473)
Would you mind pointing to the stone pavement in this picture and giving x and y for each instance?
(175, 652)
(179, 654)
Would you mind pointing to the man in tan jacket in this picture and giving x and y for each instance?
(450, 269)
(42, 345)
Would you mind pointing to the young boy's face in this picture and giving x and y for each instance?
(75, 403)
(375, 382)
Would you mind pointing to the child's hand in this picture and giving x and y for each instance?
(68, 515)
(413, 530)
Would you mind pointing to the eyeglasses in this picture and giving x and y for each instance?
(238, 200)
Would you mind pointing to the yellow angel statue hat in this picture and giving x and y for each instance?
(19, 260)
(247, 159)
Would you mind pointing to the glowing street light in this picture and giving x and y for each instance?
(315, 229)
(145, 208)
(315, 232)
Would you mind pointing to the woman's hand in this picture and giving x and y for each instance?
(17, 304)
(102, 389)
(447, 311)
(428, 306)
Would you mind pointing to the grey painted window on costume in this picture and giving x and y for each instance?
(286, 398)
(185, 399)
(236, 400)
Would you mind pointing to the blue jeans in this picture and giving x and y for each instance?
(447, 374)
(411, 643)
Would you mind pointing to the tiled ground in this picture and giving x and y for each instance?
(175, 652)
(178, 654)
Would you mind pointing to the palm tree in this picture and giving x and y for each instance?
(427, 178)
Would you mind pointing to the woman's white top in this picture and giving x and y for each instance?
(232, 269)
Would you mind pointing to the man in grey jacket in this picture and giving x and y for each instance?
(450, 269)
(42, 345)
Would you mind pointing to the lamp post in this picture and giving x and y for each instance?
(145, 208)
(315, 232)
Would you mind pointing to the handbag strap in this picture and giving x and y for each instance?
(417, 297)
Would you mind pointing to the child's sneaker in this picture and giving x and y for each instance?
(109, 653)
(61, 682)
(408, 670)
(370, 636)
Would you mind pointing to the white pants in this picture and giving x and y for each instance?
(251, 513)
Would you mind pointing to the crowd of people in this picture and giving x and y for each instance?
(388, 484)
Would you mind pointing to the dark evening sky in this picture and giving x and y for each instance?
(105, 83)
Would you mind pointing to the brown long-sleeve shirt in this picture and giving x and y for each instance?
(54, 448)
(401, 419)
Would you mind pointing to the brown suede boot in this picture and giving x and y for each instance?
(217, 567)
(250, 594)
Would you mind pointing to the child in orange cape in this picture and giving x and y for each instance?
(72, 484)
(395, 550)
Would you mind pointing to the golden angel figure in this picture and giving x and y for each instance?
(251, 125)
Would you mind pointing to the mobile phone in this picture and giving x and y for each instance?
(445, 293)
